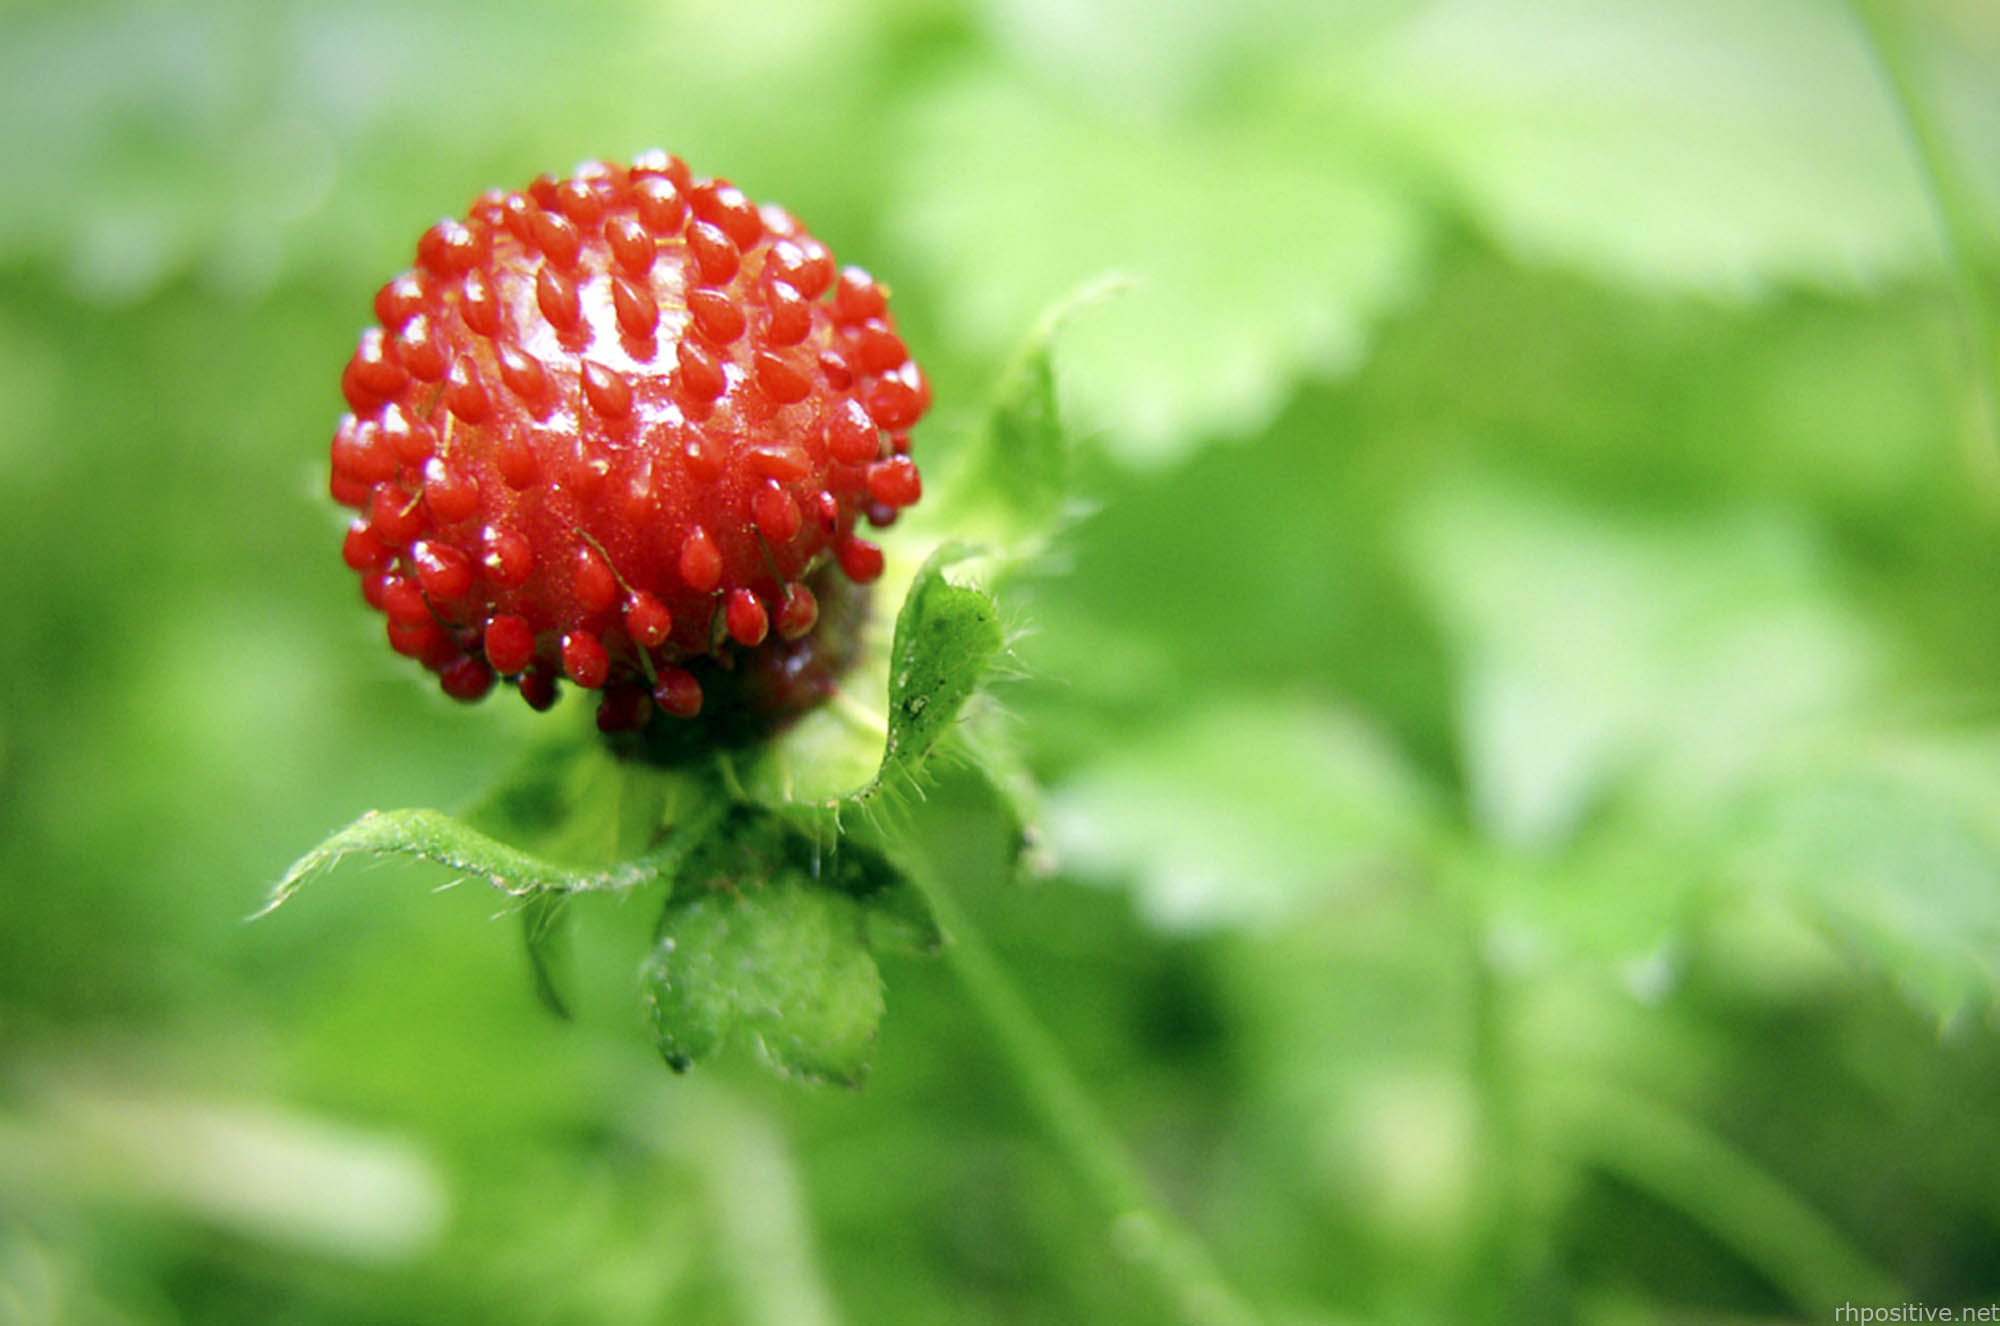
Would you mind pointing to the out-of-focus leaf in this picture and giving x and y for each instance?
(1242, 812)
(252, 142)
(1591, 649)
(986, 744)
(770, 955)
(1013, 475)
(1188, 49)
(1678, 144)
(1254, 257)
(1893, 849)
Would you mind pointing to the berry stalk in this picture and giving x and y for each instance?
(1141, 1230)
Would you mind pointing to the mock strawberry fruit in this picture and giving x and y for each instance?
(619, 428)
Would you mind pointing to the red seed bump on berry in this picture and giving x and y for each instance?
(659, 206)
(799, 613)
(700, 561)
(362, 551)
(851, 435)
(396, 516)
(508, 557)
(781, 380)
(716, 316)
(584, 659)
(608, 393)
(745, 617)
(464, 394)
(638, 313)
(399, 301)
(860, 559)
(479, 305)
(895, 482)
(374, 367)
(777, 515)
(557, 238)
(467, 679)
(647, 621)
(678, 692)
(451, 493)
(413, 441)
(420, 350)
(701, 378)
(592, 581)
(510, 643)
(631, 246)
(555, 295)
(715, 256)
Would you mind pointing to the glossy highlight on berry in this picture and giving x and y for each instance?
(618, 429)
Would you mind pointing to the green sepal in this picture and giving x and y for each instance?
(947, 636)
(768, 938)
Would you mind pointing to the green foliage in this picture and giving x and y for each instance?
(1892, 849)
(1252, 257)
(1013, 473)
(1297, 804)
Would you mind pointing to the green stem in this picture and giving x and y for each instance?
(1675, 1158)
(1957, 215)
(1140, 1229)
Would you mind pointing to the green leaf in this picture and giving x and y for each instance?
(1013, 475)
(770, 955)
(1700, 145)
(1893, 849)
(1288, 804)
(986, 747)
(1664, 657)
(1256, 254)
(431, 835)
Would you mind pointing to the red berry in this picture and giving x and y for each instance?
(608, 428)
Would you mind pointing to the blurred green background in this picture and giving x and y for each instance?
(1520, 700)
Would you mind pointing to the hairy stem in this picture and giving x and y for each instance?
(1141, 1230)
